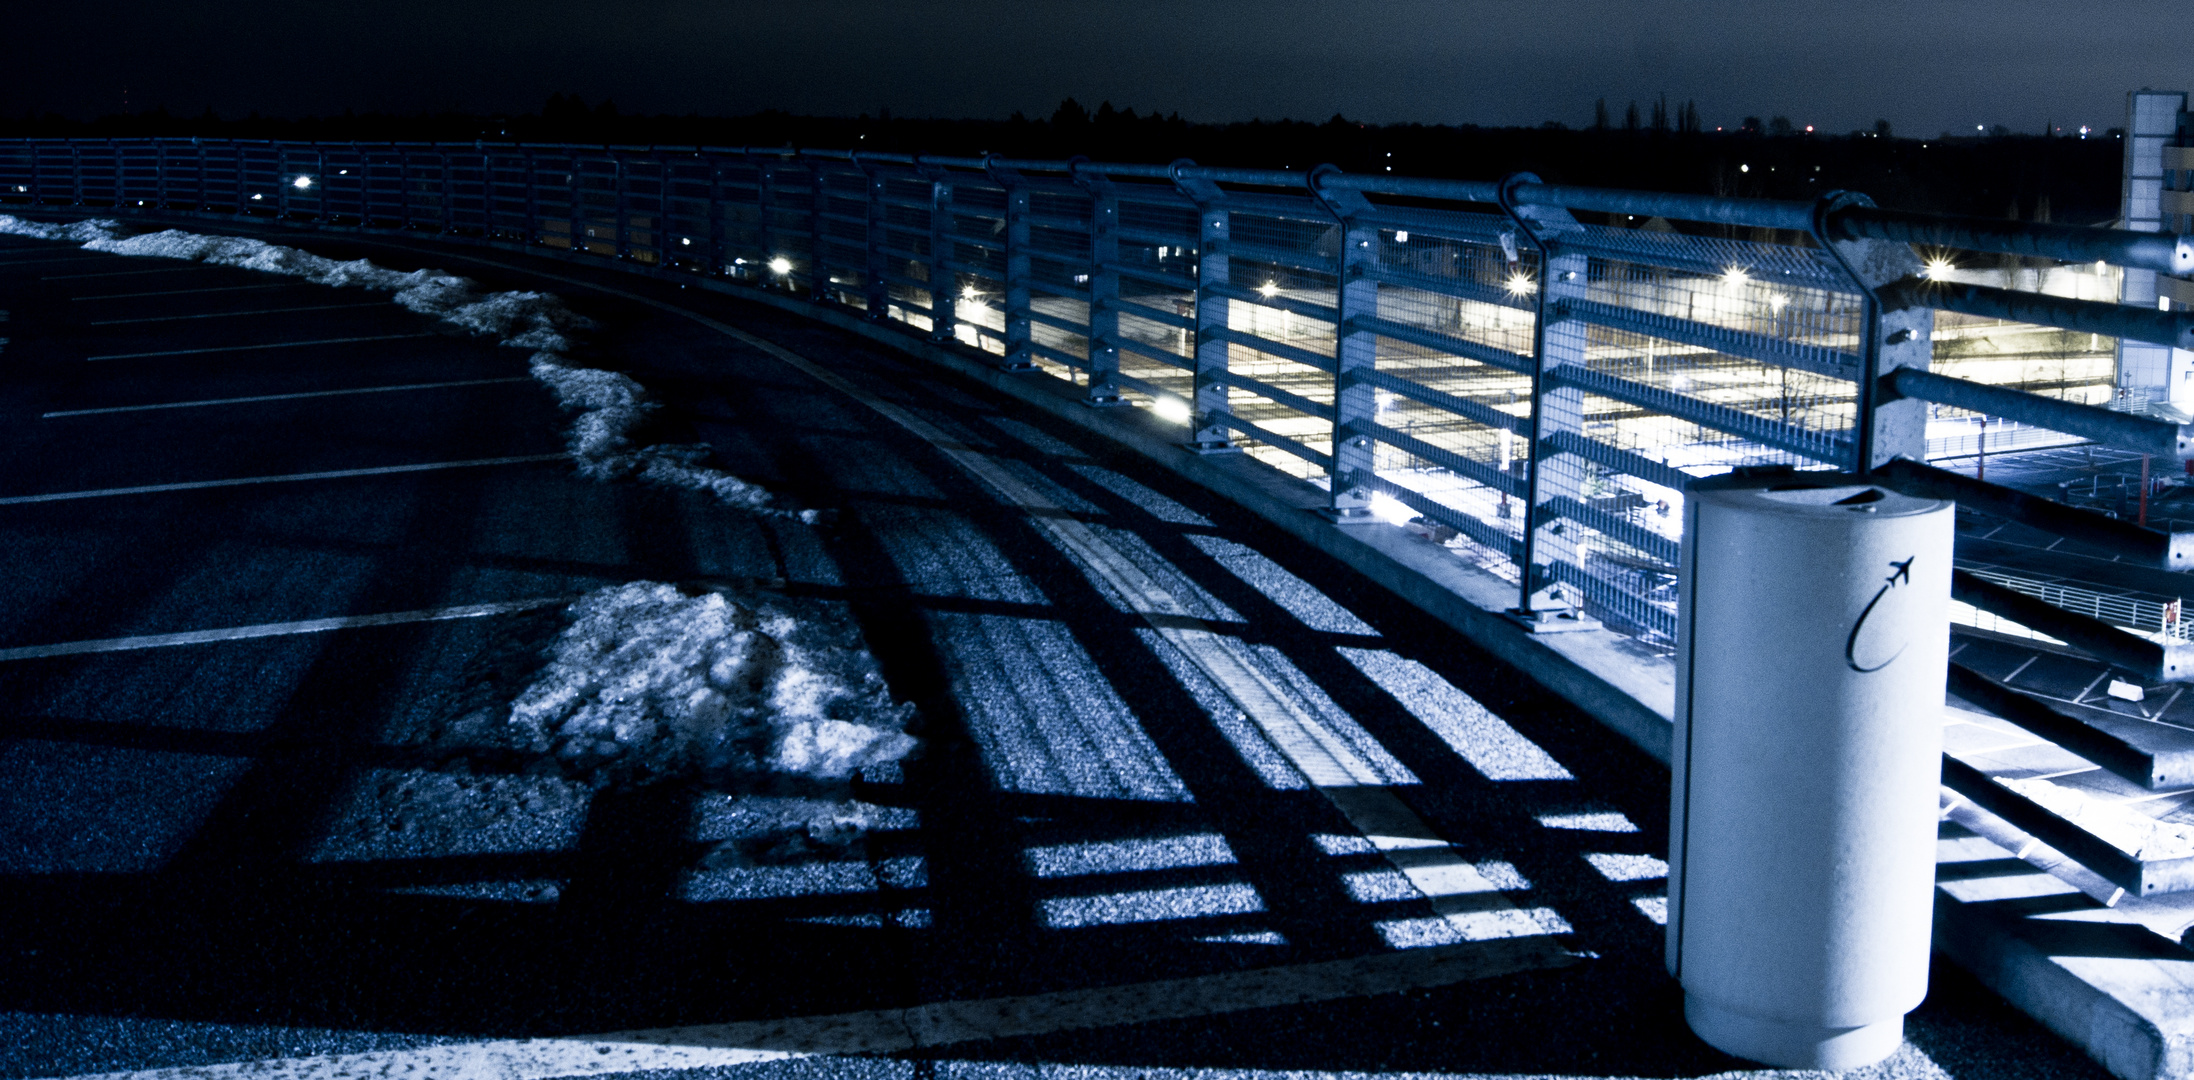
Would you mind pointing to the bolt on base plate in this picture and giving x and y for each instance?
(1552, 620)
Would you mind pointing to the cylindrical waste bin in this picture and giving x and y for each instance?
(1811, 649)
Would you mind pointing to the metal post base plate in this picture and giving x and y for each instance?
(1354, 515)
(1211, 448)
(1552, 620)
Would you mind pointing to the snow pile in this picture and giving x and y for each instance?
(2124, 828)
(608, 405)
(646, 682)
(75, 232)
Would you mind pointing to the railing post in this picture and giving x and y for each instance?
(1103, 369)
(1555, 409)
(533, 197)
(715, 238)
(1884, 425)
(819, 283)
(1208, 378)
(621, 236)
(577, 205)
(876, 288)
(1016, 301)
(764, 203)
(449, 192)
(942, 295)
(1355, 401)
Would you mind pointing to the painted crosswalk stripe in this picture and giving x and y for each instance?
(121, 273)
(267, 630)
(338, 474)
(185, 292)
(282, 397)
(255, 348)
(232, 314)
(887, 1031)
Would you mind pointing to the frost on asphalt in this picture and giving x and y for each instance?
(607, 407)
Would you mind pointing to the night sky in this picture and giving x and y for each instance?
(1924, 66)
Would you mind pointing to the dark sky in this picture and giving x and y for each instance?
(1925, 65)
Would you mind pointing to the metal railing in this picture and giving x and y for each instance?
(1533, 370)
(1540, 383)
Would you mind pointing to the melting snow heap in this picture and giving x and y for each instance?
(608, 405)
(648, 682)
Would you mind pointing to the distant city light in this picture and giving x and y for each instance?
(1777, 303)
(686, 240)
(301, 183)
(2084, 129)
(1269, 289)
(256, 198)
(1401, 236)
(1937, 267)
(1809, 129)
(1520, 284)
(780, 265)
(1744, 168)
(1171, 409)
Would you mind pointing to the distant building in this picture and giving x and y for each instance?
(2157, 196)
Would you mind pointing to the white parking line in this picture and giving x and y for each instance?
(126, 273)
(195, 485)
(285, 629)
(886, 1031)
(281, 397)
(65, 258)
(255, 348)
(233, 314)
(185, 292)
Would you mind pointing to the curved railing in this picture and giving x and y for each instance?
(1518, 364)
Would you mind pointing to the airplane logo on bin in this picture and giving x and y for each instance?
(1901, 575)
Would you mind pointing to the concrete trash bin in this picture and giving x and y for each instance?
(1812, 639)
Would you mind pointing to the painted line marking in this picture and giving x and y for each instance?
(61, 259)
(124, 273)
(195, 485)
(282, 397)
(256, 348)
(283, 629)
(1453, 886)
(234, 314)
(887, 1031)
(185, 292)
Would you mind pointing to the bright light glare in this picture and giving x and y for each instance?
(1777, 303)
(301, 183)
(780, 265)
(1937, 267)
(256, 198)
(969, 293)
(1735, 275)
(686, 240)
(1520, 284)
(1401, 236)
(1171, 409)
(1268, 289)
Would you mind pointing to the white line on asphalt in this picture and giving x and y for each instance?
(886, 1031)
(126, 273)
(233, 314)
(386, 470)
(285, 629)
(185, 292)
(282, 397)
(34, 262)
(255, 348)
(1470, 902)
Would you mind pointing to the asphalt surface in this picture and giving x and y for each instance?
(245, 850)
